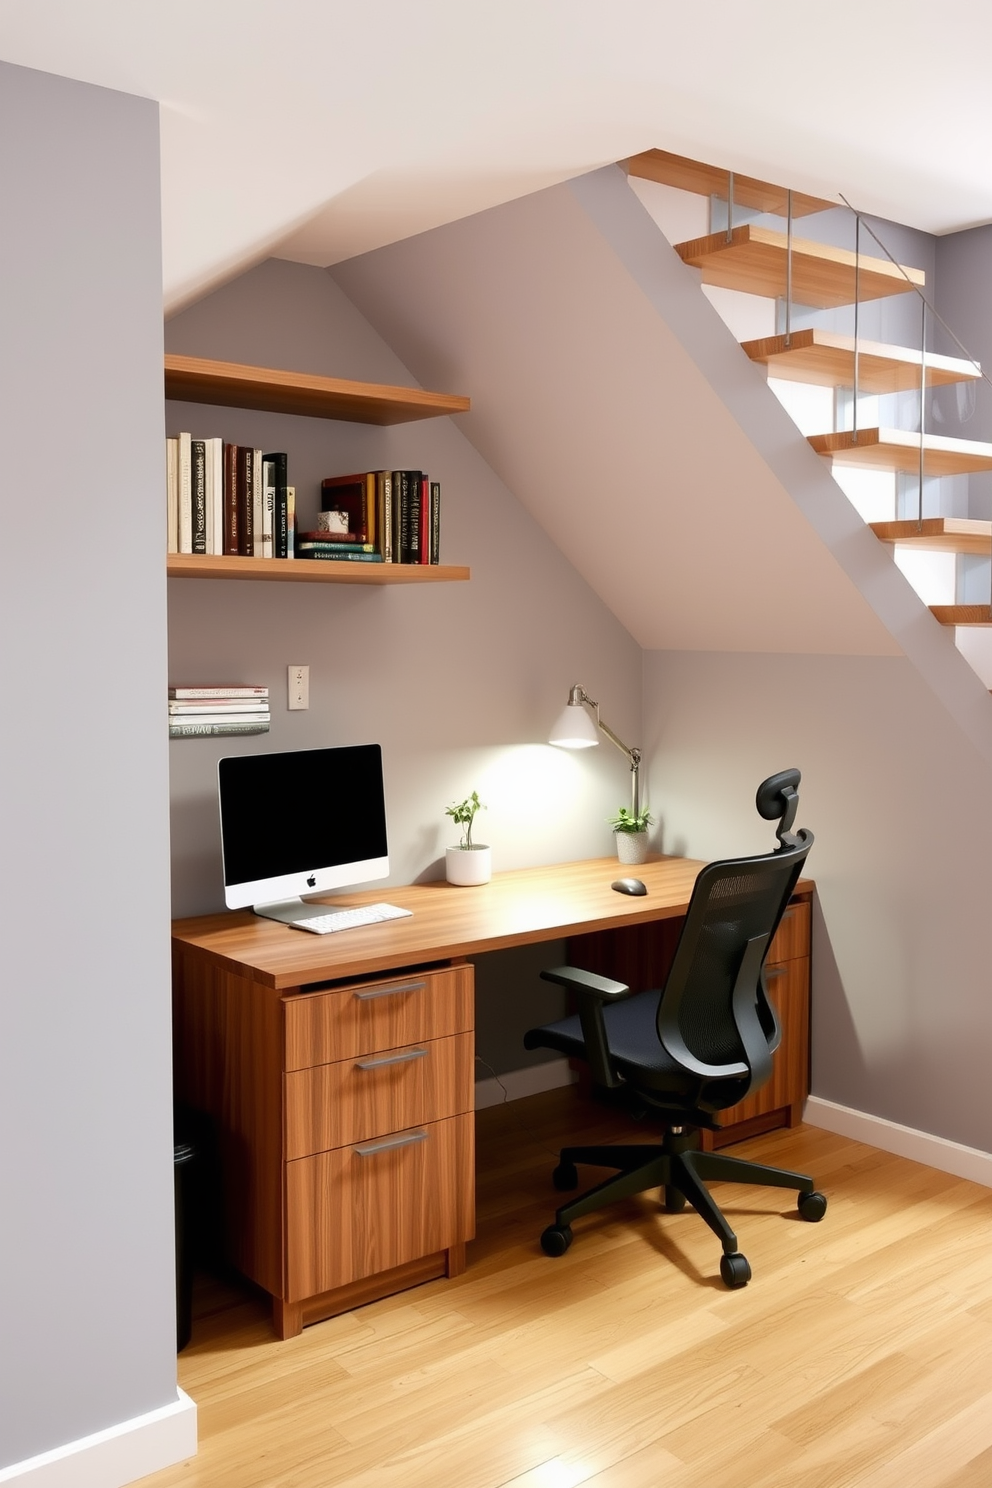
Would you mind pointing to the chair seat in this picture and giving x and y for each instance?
(631, 1032)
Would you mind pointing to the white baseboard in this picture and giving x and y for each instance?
(119, 1455)
(904, 1141)
(528, 1081)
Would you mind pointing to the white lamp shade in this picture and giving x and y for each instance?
(574, 729)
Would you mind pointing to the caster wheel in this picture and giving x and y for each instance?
(812, 1206)
(565, 1177)
(556, 1239)
(735, 1270)
(674, 1201)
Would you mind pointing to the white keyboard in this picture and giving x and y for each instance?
(348, 919)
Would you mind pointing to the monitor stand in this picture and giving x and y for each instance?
(291, 911)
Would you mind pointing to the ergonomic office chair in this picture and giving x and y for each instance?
(694, 1048)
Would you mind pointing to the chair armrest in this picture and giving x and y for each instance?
(592, 992)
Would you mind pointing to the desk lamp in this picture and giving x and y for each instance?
(576, 730)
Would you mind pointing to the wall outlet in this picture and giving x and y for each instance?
(299, 687)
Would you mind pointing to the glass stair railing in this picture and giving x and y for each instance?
(854, 348)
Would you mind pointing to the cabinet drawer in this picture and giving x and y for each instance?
(322, 1027)
(788, 988)
(792, 936)
(362, 1209)
(355, 1099)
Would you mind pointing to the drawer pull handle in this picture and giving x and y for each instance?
(369, 1149)
(391, 991)
(404, 1058)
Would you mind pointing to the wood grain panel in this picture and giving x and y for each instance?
(355, 1099)
(323, 1027)
(938, 534)
(233, 385)
(228, 1057)
(711, 180)
(351, 1215)
(754, 260)
(792, 938)
(788, 1087)
(962, 614)
(308, 571)
(899, 449)
(826, 359)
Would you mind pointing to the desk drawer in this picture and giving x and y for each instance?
(363, 1209)
(355, 1099)
(322, 1027)
(792, 936)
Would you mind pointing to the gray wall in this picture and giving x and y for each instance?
(458, 683)
(901, 806)
(86, 1248)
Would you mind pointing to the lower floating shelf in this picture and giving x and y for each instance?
(311, 571)
(963, 614)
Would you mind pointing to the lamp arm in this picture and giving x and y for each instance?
(579, 695)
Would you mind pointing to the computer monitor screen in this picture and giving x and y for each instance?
(301, 822)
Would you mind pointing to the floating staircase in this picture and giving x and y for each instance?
(761, 261)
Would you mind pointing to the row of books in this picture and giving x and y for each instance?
(206, 711)
(228, 499)
(383, 516)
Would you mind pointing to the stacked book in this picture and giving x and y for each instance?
(227, 499)
(204, 712)
(377, 516)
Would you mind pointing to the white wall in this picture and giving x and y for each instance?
(86, 1171)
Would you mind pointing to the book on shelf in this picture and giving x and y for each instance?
(435, 535)
(290, 521)
(185, 494)
(278, 465)
(223, 715)
(198, 487)
(221, 690)
(397, 512)
(188, 707)
(202, 729)
(384, 513)
(355, 496)
(347, 542)
(172, 494)
(345, 555)
(229, 500)
(245, 478)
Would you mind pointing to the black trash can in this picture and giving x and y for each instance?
(183, 1157)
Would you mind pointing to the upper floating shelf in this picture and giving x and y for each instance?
(709, 180)
(963, 614)
(754, 259)
(827, 359)
(938, 534)
(899, 449)
(231, 385)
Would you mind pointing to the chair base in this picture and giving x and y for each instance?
(679, 1168)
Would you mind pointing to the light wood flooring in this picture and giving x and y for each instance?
(860, 1354)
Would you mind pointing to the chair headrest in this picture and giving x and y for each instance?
(778, 796)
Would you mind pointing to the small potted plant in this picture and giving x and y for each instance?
(469, 862)
(631, 831)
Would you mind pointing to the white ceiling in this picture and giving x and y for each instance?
(317, 129)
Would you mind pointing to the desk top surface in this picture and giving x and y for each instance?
(516, 908)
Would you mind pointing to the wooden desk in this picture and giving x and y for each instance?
(338, 1070)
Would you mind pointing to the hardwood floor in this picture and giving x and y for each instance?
(860, 1354)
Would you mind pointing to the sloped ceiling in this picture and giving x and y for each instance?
(319, 129)
(590, 408)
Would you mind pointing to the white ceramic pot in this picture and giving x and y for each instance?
(468, 865)
(632, 847)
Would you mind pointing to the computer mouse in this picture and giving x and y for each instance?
(629, 886)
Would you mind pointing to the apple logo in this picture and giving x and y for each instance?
(312, 881)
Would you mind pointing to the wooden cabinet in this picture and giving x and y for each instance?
(344, 1120)
(641, 957)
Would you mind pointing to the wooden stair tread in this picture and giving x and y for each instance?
(938, 534)
(754, 260)
(232, 385)
(899, 449)
(710, 180)
(963, 614)
(310, 571)
(826, 358)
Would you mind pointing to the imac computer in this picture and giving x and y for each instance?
(302, 822)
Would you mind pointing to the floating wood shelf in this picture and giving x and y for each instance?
(963, 614)
(754, 260)
(827, 359)
(311, 571)
(899, 449)
(231, 385)
(938, 535)
(709, 180)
